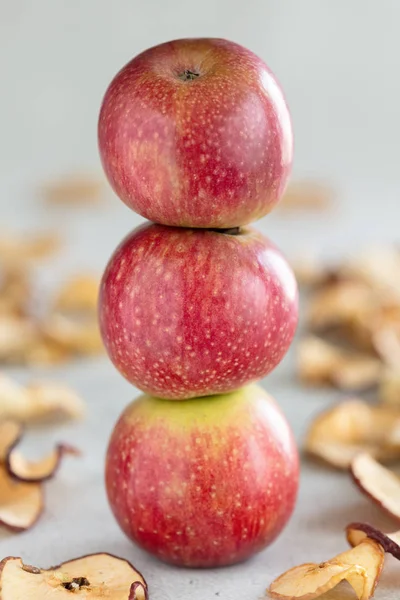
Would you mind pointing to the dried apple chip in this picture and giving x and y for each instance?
(38, 402)
(16, 249)
(17, 336)
(361, 567)
(340, 303)
(389, 387)
(95, 576)
(75, 189)
(378, 267)
(21, 503)
(390, 542)
(377, 482)
(78, 336)
(10, 434)
(22, 469)
(340, 433)
(320, 362)
(50, 401)
(79, 294)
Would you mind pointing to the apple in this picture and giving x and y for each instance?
(206, 482)
(196, 133)
(192, 312)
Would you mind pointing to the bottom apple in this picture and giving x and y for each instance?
(204, 482)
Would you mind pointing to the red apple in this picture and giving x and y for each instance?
(196, 133)
(191, 312)
(206, 482)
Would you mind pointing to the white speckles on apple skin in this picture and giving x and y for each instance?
(216, 311)
(215, 152)
(207, 482)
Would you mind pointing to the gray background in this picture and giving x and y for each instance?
(339, 63)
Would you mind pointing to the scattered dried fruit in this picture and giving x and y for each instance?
(339, 304)
(22, 469)
(309, 195)
(15, 291)
(74, 190)
(377, 482)
(379, 267)
(16, 250)
(21, 493)
(361, 567)
(17, 336)
(78, 294)
(38, 402)
(95, 576)
(340, 433)
(390, 542)
(356, 305)
(10, 434)
(320, 362)
(389, 387)
(21, 503)
(76, 336)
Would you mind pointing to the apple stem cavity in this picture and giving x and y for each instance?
(188, 75)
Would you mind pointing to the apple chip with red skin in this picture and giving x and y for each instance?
(358, 532)
(377, 482)
(360, 567)
(95, 576)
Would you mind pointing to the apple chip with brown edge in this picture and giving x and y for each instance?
(390, 542)
(377, 482)
(340, 433)
(95, 576)
(360, 567)
(21, 493)
(22, 469)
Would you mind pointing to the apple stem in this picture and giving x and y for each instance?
(188, 75)
(228, 231)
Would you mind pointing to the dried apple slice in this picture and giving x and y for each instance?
(21, 503)
(78, 294)
(96, 576)
(10, 434)
(340, 433)
(77, 336)
(389, 387)
(390, 542)
(377, 482)
(361, 567)
(339, 303)
(320, 362)
(22, 469)
(38, 402)
(51, 401)
(17, 249)
(76, 190)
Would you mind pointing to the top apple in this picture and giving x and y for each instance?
(196, 133)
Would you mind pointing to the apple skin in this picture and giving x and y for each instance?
(203, 483)
(190, 312)
(213, 152)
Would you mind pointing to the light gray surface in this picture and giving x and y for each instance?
(339, 64)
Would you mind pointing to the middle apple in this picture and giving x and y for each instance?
(191, 312)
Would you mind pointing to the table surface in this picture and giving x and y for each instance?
(77, 519)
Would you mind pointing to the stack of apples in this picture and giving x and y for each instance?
(195, 306)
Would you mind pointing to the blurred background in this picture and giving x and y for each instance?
(337, 61)
(339, 65)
